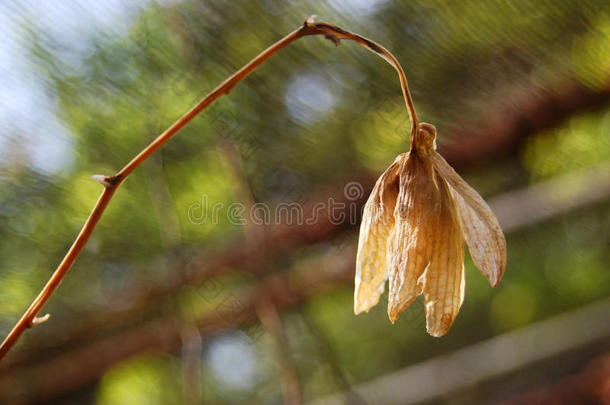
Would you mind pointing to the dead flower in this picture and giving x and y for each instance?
(413, 230)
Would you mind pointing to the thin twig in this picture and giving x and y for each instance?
(111, 183)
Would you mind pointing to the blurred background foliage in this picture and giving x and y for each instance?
(86, 86)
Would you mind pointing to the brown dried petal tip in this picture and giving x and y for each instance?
(413, 230)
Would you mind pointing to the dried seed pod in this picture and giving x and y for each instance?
(413, 230)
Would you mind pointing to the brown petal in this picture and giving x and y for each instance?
(482, 231)
(377, 223)
(412, 240)
(443, 280)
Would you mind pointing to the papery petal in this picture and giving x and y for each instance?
(482, 231)
(412, 240)
(443, 280)
(375, 229)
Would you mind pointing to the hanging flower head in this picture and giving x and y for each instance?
(414, 226)
(413, 230)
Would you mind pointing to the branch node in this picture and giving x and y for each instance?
(310, 20)
(103, 180)
(38, 320)
(106, 181)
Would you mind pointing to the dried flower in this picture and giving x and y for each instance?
(413, 230)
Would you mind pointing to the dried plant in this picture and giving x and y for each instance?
(413, 230)
(421, 186)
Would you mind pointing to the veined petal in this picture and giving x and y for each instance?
(482, 231)
(375, 229)
(412, 240)
(443, 280)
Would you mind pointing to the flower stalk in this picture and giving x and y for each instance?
(112, 183)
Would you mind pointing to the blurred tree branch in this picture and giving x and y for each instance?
(190, 356)
(590, 385)
(526, 112)
(270, 319)
(466, 367)
(266, 311)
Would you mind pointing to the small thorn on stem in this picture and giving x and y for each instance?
(38, 320)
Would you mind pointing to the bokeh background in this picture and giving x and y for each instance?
(170, 304)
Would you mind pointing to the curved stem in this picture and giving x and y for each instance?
(335, 34)
(111, 183)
